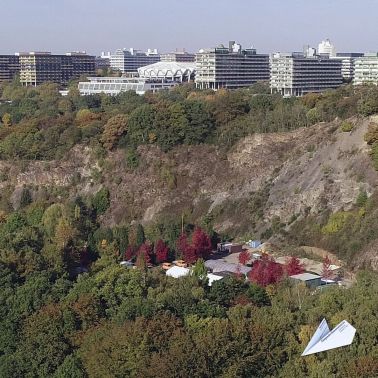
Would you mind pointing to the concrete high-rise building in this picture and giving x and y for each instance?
(366, 69)
(296, 74)
(348, 64)
(9, 67)
(128, 61)
(231, 67)
(326, 48)
(40, 67)
(178, 56)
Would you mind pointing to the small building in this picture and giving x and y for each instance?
(309, 279)
(254, 243)
(229, 247)
(177, 272)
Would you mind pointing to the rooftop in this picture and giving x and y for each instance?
(305, 276)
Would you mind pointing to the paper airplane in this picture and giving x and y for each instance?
(324, 339)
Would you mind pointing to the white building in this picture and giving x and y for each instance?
(366, 69)
(326, 48)
(129, 60)
(168, 71)
(347, 64)
(296, 74)
(115, 85)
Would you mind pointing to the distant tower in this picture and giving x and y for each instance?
(326, 47)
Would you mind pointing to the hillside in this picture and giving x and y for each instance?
(262, 178)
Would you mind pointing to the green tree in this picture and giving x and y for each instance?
(101, 201)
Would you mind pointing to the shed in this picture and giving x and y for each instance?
(229, 247)
(254, 243)
(311, 280)
(177, 271)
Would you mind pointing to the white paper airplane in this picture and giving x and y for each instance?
(324, 339)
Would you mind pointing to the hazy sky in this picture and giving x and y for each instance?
(104, 25)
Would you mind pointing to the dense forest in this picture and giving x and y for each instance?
(70, 310)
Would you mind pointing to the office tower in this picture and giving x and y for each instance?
(128, 61)
(366, 69)
(348, 64)
(9, 67)
(296, 74)
(231, 67)
(178, 56)
(40, 67)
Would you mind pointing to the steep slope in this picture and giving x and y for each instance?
(264, 177)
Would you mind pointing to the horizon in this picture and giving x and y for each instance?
(269, 26)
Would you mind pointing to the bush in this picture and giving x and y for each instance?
(101, 201)
(132, 158)
(346, 127)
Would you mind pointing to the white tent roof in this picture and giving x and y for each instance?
(213, 277)
(167, 69)
(177, 271)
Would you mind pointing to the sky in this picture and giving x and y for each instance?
(105, 25)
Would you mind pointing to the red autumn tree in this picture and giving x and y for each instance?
(146, 251)
(265, 271)
(182, 243)
(129, 253)
(190, 255)
(161, 251)
(326, 268)
(201, 243)
(293, 266)
(244, 257)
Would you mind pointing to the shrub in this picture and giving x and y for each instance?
(346, 127)
(132, 158)
(101, 201)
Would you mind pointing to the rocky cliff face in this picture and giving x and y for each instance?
(263, 176)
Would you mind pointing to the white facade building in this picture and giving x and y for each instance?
(366, 69)
(348, 64)
(326, 48)
(129, 60)
(296, 74)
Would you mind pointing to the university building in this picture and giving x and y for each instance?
(366, 69)
(348, 64)
(296, 74)
(9, 67)
(230, 67)
(39, 67)
(178, 56)
(128, 61)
